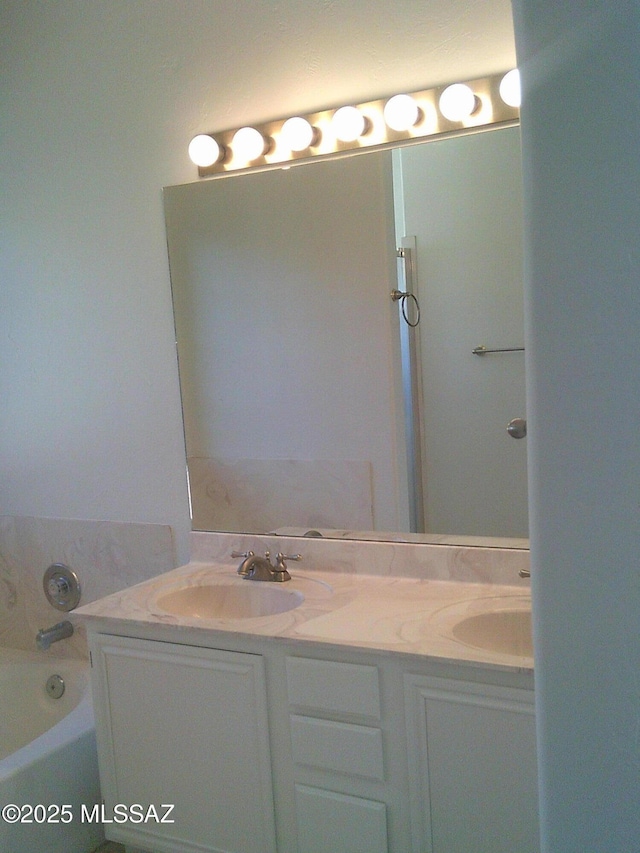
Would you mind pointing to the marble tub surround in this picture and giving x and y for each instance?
(107, 556)
(12, 612)
(385, 611)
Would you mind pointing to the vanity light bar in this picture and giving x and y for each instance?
(401, 120)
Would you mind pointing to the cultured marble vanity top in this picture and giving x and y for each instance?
(391, 613)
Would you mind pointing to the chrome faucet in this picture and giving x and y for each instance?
(256, 568)
(46, 636)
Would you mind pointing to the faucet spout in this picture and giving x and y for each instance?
(46, 636)
(244, 569)
(258, 568)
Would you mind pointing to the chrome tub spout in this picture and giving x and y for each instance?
(46, 636)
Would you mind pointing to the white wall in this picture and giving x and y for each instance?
(581, 159)
(99, 101)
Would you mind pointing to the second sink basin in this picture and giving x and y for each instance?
(506, 631)
(241, 600)
(498, 624)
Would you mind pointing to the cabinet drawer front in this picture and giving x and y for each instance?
(339, 747)
(334, 687)
(337, 823)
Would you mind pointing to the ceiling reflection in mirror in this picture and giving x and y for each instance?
(293, 356)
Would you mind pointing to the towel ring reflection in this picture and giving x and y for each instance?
(402, 297)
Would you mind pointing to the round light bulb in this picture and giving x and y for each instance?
(204, 150)
(248, 144)
(510, 88)
(348, 124)
(401, 112)
(297, 134)
(457, 102)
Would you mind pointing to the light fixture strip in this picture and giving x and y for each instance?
(491, 111)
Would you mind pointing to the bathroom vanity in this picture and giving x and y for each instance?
(351, 712)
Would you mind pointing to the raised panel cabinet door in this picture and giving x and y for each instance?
(472, 762)
(188, 727)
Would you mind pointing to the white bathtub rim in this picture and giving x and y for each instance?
(73, 726)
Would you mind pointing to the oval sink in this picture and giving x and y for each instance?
(505, 631)
(244, 600)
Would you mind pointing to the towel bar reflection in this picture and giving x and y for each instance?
(484, 351)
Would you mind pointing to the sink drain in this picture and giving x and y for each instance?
(55, 686)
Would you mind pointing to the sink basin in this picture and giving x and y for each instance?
(504, 631)
(497, 624)
(242, 600)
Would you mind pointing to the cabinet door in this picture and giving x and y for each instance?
(472, 762)
(187, 727)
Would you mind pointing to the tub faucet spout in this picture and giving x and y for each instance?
(46, 636)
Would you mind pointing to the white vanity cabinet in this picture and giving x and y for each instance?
(267, 746)
(472, 767)
(184, 726)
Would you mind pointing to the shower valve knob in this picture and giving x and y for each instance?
(58, 587)
(61, 587)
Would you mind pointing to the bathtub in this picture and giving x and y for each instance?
(47, 756)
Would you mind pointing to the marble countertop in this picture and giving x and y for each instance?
(386, 613)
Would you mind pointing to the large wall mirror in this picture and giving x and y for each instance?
(293, 355)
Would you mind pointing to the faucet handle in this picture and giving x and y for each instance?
(280, 572)
(244, 554)
(280, 557)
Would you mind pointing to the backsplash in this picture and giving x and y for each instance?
(467, 563)
(107, 557)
